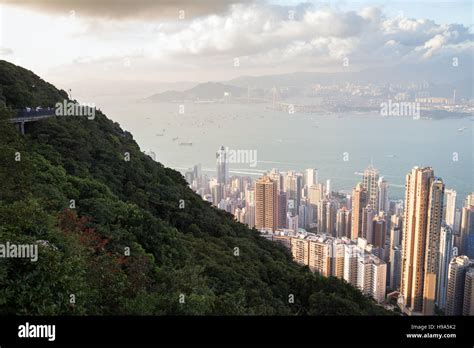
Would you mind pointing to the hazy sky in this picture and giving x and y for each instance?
(187, 40)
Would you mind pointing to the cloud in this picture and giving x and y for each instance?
(265, 38)
(5, 51)
(126, 9)
(260, 34)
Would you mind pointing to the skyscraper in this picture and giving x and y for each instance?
(457, 221)
(292, 222)
(367, 224)
(338, 248)
(395, 230)
(315, 193)
(276, 176)
(331, 213)
(359, 201)
(379, 232)
(395, 266)
(370, 183)
(420, 245)
(384, 203)
(351, 256)
(445, 256)
(266, 205)
(293, 184)
(222, 166)
(435, 216)
(250, 215)
(372, 276)
(395, 254)
(456, 283)
(328, 188)
(466, 238)
(468, 303)
(450, 207)
(322, 215)
(281, 216)
(305, 215)
(217, 192)
(239, 214)
(343, 223)
(250, 196)
(311, 177)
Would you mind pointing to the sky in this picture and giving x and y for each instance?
(186, 40)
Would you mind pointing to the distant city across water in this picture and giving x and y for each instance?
(340, 146)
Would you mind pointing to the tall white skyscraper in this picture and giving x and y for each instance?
(445, 256)
(450, 207)
(311, 177)
(328, 188)
(222, 166)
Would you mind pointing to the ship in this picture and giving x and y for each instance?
(186, 144)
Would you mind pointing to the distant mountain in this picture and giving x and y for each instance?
(201, 92)
(91, 89)
(442, 76)
(437, 73)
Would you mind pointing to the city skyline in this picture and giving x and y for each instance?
(403, 247)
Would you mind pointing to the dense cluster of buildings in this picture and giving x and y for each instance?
(339, 257)
(420, 250)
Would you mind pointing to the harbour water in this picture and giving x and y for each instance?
(339, 145)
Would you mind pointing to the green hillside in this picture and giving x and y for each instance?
(132, 204)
